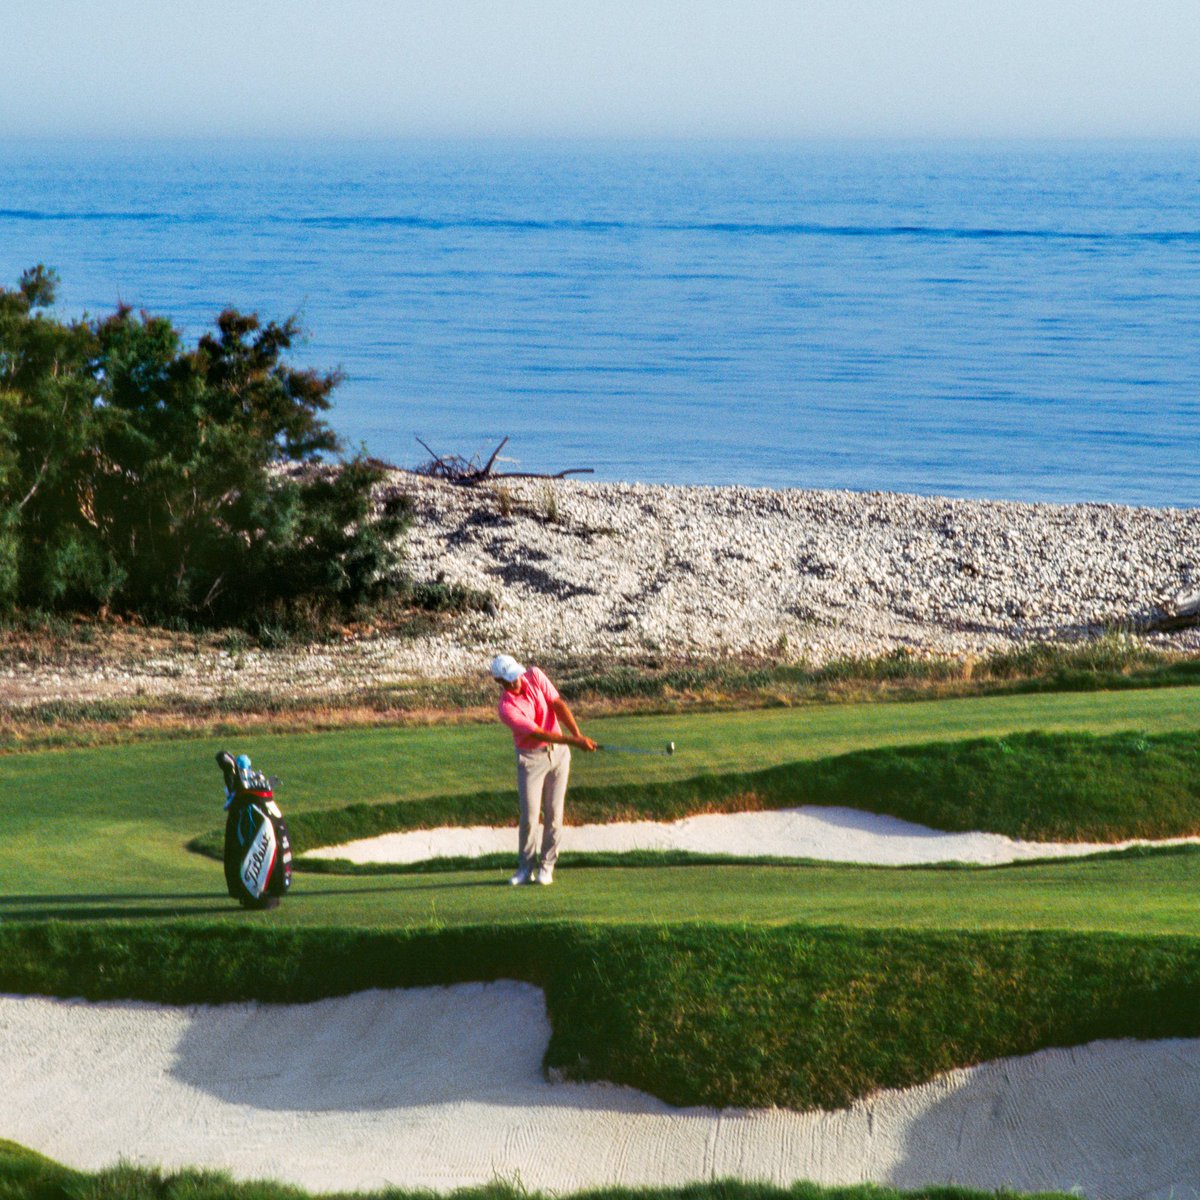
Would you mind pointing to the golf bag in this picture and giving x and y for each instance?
(258, 852)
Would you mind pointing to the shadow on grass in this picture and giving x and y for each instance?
(102, 898)
(125, 912)
(100, 906)
(405, 883)
(138, 905)
(110, 906)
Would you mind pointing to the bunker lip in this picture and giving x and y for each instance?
(441, 1088)
(832, 834)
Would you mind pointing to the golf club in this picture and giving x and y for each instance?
(670, 749)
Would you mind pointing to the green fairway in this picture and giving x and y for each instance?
(1151, 894)
(794, 984)
(102, 832)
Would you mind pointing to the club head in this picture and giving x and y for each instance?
(670, 747)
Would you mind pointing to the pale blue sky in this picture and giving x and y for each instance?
(722, 68)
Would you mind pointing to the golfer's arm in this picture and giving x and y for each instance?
(574, 738)
(565, 715)
(560, 739)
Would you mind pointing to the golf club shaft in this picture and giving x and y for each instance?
(669, 749)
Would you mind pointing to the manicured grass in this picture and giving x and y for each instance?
(1154, 893)
(25, 1175)
(1047, 787)
(1051, 787)
(59, 799)
(726, 984)
(102, 833)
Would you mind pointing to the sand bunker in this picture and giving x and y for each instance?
(831, 834)
(442, 1087)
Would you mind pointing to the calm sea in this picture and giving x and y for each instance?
(1018, 321)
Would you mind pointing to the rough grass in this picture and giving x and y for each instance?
(1033, 786)
(794, 1016)
(25, 1175)
(1107, 663)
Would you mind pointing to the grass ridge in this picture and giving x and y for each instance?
(796, 1016)
(1034, 786)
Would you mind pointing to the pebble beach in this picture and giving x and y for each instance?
(624, 572)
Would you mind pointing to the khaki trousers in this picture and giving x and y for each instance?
(542, 786)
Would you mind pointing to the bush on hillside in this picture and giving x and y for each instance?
(144, 476)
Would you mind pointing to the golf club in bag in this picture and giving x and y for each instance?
(258, 852)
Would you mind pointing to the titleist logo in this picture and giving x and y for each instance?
(253, 866)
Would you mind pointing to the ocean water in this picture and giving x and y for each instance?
(1006, 320)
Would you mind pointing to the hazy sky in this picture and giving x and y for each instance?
(757, 68)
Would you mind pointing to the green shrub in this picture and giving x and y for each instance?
(439, 596)
(144, 476)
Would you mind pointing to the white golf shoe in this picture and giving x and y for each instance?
(544, 876)
(524, 875)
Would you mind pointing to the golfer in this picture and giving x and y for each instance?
(532, 708)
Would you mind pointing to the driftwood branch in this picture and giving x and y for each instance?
(456, 469)
(491, 462)
(437, 465)
(1184, 613)
(543, 475)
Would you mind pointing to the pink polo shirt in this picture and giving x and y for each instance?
(529, 710)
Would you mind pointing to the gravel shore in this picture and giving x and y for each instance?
(624, 571)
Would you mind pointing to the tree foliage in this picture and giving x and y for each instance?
(144, 476)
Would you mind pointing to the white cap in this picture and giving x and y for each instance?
(505, 667)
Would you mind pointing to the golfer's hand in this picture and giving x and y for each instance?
(585, 743)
